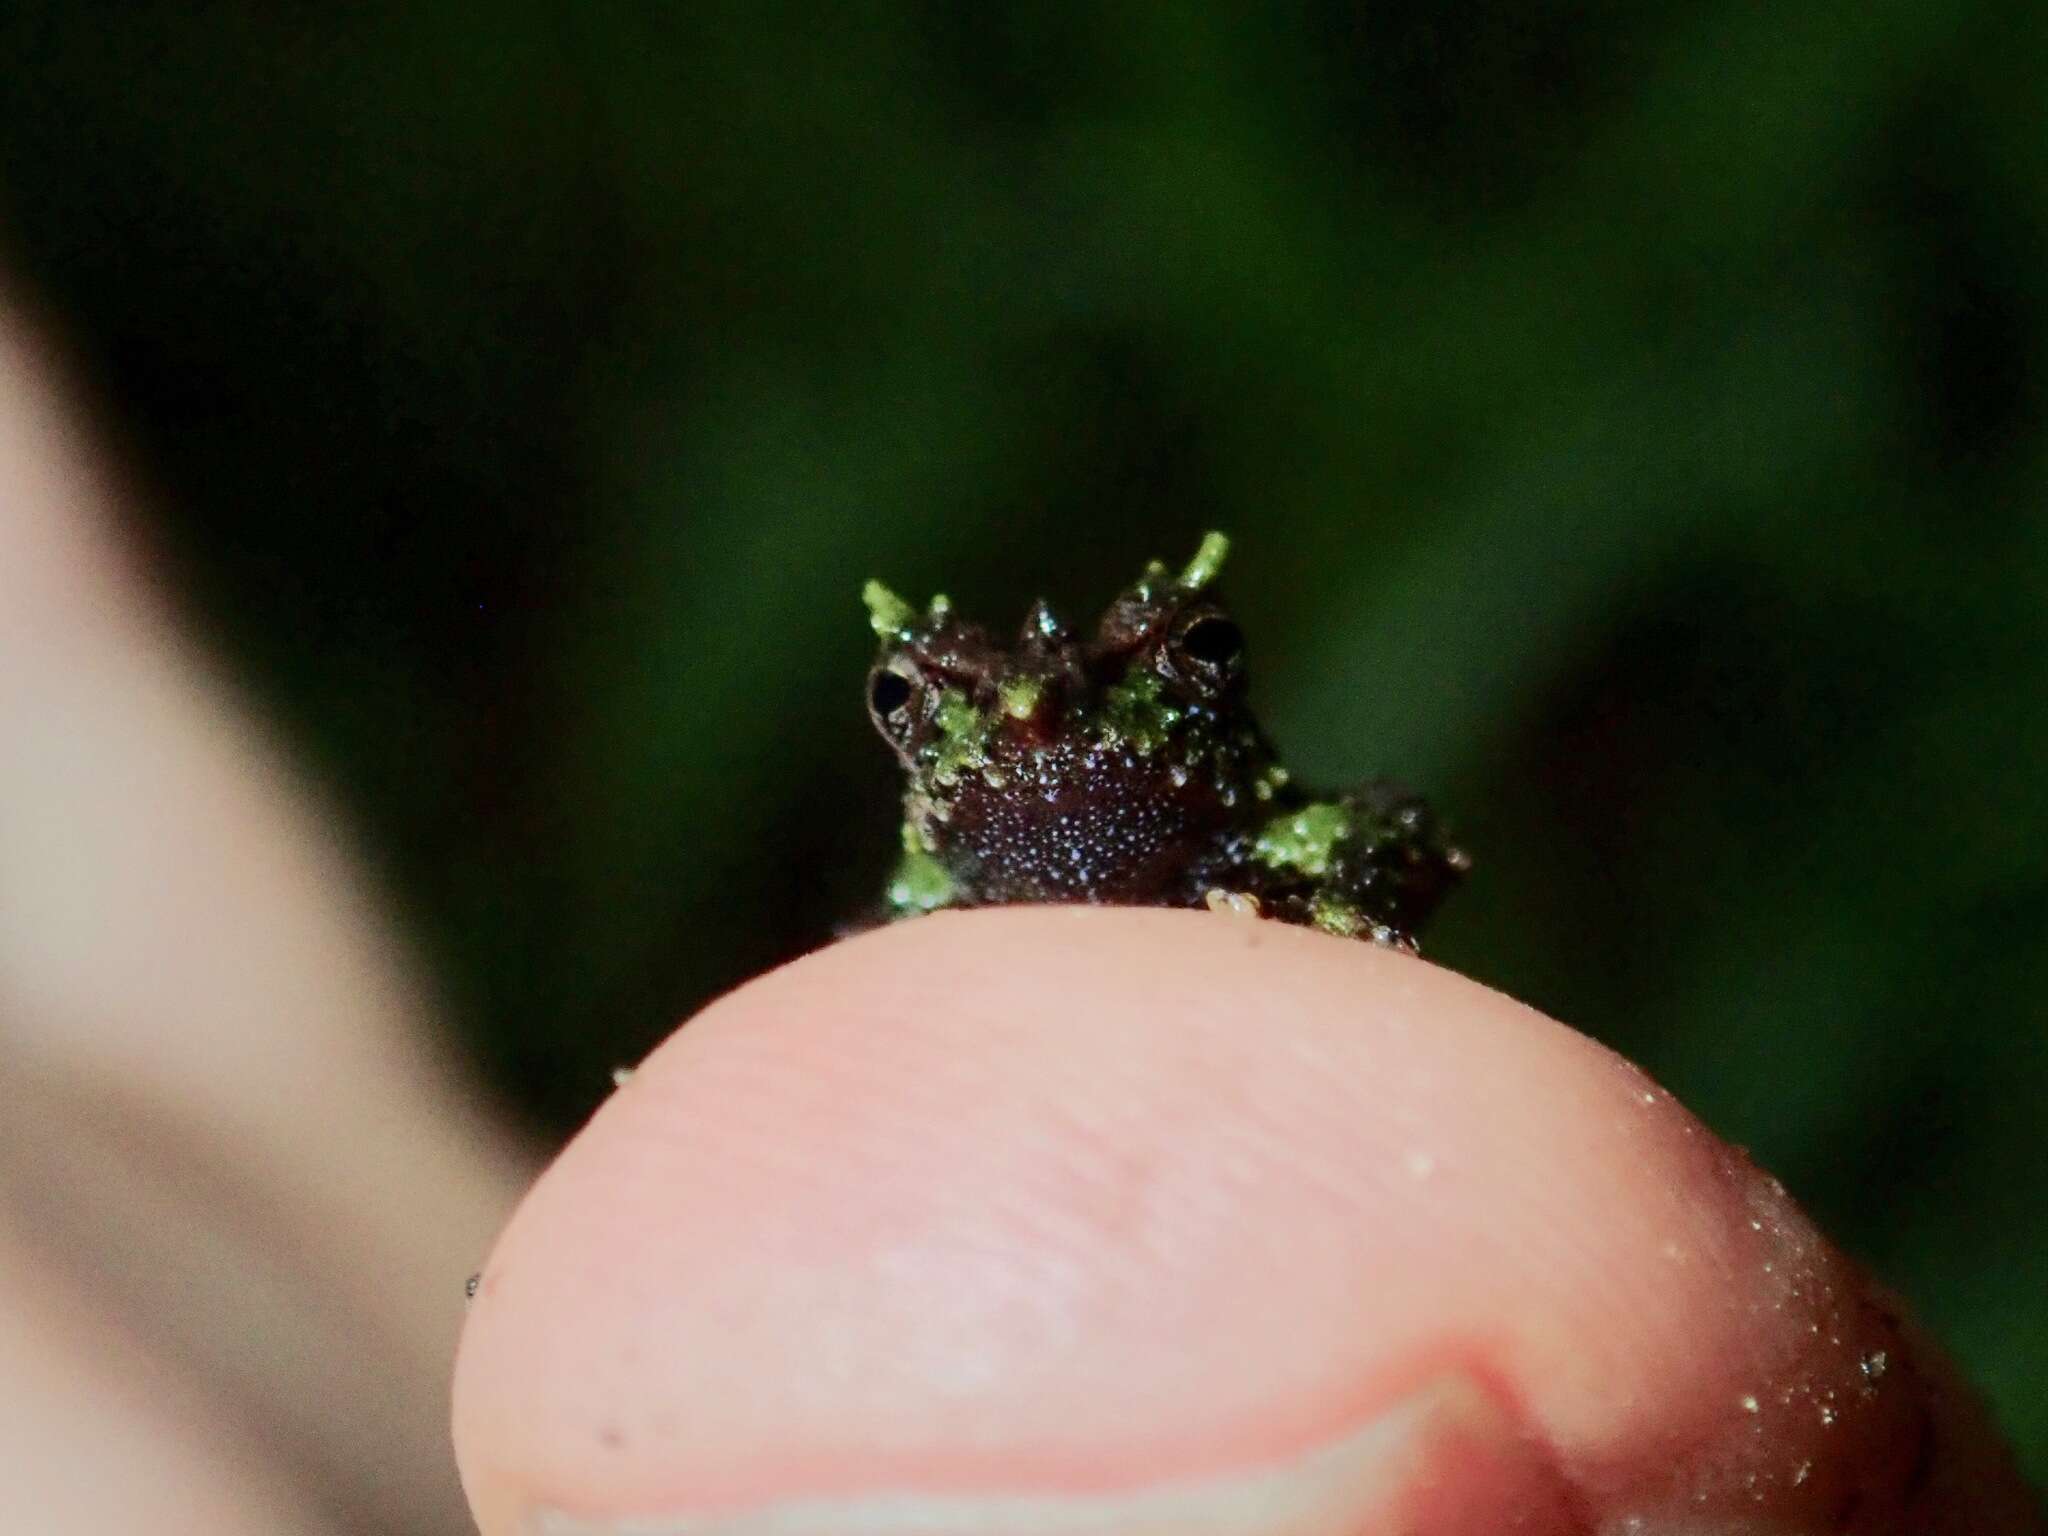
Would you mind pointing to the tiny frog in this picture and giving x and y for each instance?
(1126, 768)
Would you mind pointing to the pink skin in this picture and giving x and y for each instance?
(1093, 1202)
(238, 1180)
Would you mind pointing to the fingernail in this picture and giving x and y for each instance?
(1447, 1461)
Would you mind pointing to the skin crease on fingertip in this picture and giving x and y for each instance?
(1065, 1199)
(1445, 1461)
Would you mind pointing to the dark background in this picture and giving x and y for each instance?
(1631, 420)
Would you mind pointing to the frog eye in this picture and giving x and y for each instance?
(895, 695)
(1207, 648)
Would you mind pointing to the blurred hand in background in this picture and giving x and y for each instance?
(239, 1186)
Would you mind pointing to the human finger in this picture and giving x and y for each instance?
(1064, 1219)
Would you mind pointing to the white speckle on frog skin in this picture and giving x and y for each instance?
(1231, 903)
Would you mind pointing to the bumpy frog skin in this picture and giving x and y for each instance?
(1125, 768)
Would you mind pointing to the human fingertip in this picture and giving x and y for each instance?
(1042, 1204)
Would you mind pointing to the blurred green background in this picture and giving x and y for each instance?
(1631, 420)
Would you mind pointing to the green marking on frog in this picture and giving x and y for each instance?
(920, 884)
(1020, 696)
(1208, 561)
(963, 735)
(1335, 915)
(1306, 840)
(1138, 713)
(889, 616)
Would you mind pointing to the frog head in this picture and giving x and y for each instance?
(1098, 766)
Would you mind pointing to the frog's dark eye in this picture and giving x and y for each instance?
(888, 693)
(894, 701)
(1213, 641)
(1208, 649)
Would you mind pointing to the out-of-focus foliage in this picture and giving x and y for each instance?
(1631, 419)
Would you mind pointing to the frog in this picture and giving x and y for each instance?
(1125, 767)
